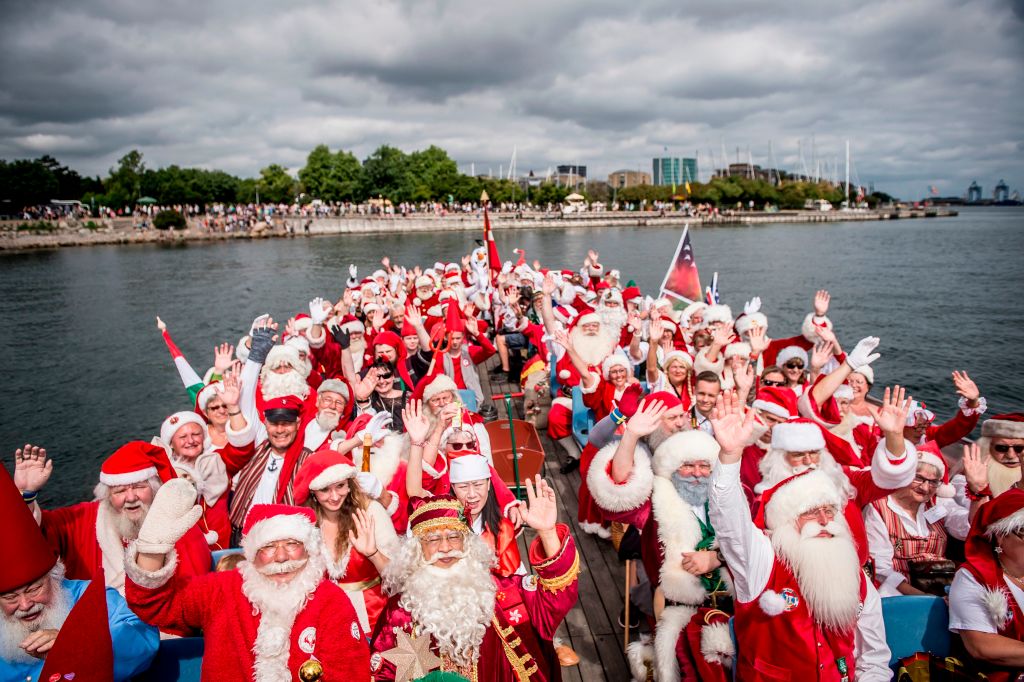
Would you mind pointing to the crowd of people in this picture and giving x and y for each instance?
(345, 452)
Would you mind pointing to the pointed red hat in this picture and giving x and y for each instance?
(777, 400)
(22, 535)
(87, 629)
(453, 318)
(979, 550)
(134, 462)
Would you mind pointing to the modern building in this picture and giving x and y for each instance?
(571, 175)
(628, 178)
(674, 170)
(974, 192)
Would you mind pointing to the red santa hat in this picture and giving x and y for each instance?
(747, 321)
(207, 394)
(739, 349)
(918, 413)
(350, 324)
(320, 470)
(667, 325)
(388, 338)
(612, 295)
(791, 353)
(379, 274)
(430, 514)
(336, 386)
(717, 313)
(777, 400)
(929, 453)
(588, 317)
(24, 539)
(424, 281)
(283, 355)
(995, 519)
(688, 311)
(614, 360)
(466, 468)
(682, 448)
(439, 384)
(795, 495)
(302, 322)
(631, 294)
(811, 324)
(800, 435)
(668, 399)
(299, 343)
(171, 425)
(267, 523)
(133, 462)
(866, 372)
(1009, 425)
(408, 329)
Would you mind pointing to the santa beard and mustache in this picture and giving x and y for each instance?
(276, 385)
(693, 490)
(593, 349)
(775, 469)
(357, 349)
(454, 605)
(14, 630)
(1001, 477)
(126, 528)
(826, 568)
(612, 320)
(327, 419)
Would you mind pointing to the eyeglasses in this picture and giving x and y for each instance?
(218, 408)
(794, 365)
(811, 457)
(291, 547)
(1002, 448)
(828, 510)
(123, 489)
(469, 445)
(441, 400)
(384, 376)
(769, 382)
(32, 591)
(929, 482)
(455, 539)
(336, 403)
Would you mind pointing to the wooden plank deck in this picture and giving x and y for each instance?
(592, 627)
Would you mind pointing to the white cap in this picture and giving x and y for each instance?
(468, 468)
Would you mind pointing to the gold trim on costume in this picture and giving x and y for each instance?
(360, 586)
(524, 666)
(561, 550)
(563, 581)
(424, 527)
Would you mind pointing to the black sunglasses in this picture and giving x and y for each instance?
(1003, 449)
(794, 365)
(458, 446)
(769, 382)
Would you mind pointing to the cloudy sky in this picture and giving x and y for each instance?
(929, 92)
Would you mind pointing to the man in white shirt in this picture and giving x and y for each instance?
(985, 601)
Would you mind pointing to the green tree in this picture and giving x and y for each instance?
(275, 185)
(26, 183)
(330, 177)
(125, 182)
(385, 174)
(431, 175)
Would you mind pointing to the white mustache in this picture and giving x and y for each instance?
(132, 506)
(29, 612)
(452, 554)
(283, 566)
(811, 529)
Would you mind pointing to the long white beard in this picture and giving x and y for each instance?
(357, 349)
(453, 605)
(612, 320)
(279, 385)
(1001, 477)
(593, 349)
(14, 631)
(126, 528)
(327, 420)
(775, 469)
(827, 570)
(657, 437)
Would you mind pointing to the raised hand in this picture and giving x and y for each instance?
(160, 324)
(413, 316)
(826, 334)
(362, 537)
(966, 387)
(733, 425)
(319, 309)
(548, 286)
(364, 388)
(822, 353)
(32, 468)
(592, 255)
(655, 330)
(378, 425)
(230, 390)
(821, 301)
(379, 318)
(353, 270)
(744, 379)
(386, 262)
(472, 326)
(562, 339)
(647, 419)
(448, 414)
(173, 512)
(758, 340)
(222, 356)
(752, 306)
(892, 416)
(541, 511)
(975, 468)
(633, 320)
(861, 354)
(721, 336)
(261, 320)
(416, 423)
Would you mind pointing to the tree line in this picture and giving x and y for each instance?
(338, 176)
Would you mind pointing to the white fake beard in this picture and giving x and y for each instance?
(612, 320)
(657, 437)
(453, 605)
(827, 570)
(125, 528)
(775, 469)
(357, 349)
(593, 349)
(327, 420)
(1001, 477)
(279, 385)
(14, 630)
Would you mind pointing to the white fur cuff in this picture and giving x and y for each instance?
(150, 580)
(626, 496)
(716, 644)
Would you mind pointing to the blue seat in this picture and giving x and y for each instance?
(582, 418)
(177, 660)
(469, 399)
(217, 554)
(915, 623)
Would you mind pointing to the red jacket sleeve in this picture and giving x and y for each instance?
(953, 430)
(558, 584)
(235, 458)
(194, 558)
(479, 353)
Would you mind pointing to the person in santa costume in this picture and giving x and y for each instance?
(671, 370)
(333, 414)
(90, 536)
(987, 595)
(357, 533)
(36, 599)
(602, 394)
(913, 523)
(1002, 439)
(773, 405)
(666, 497)
(804, 608)
(272, 618)
(459, 360)
(816, 327)
(480, 625)
(442, 406)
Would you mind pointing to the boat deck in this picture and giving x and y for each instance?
(592, 627)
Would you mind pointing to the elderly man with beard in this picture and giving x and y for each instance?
(91, 535)
(666, 497)
(273, 619)
(590, 341)
(804, 608)
(480, 625)
(442, 406)
(1002, 439)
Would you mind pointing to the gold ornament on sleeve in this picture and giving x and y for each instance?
(311, 671)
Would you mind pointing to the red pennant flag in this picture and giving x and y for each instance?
(682, 280)
(83, 650)
(493, 259)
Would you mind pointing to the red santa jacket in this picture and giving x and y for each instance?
(326, 629)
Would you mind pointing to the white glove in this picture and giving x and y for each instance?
(752, 306)
(377, 426)
(861, 355)
(369, 484)
(506, 267)
(173, 512)
(353, 270)
(316, 310)
(262, 318)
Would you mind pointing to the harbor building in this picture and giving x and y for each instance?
(669, 170)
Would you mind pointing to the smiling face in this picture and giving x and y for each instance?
(26, 604)
(705, 395)
(275, 560)
(618, 376)
(859, 384)
(187, 441)
(333, 496)
(473, 495)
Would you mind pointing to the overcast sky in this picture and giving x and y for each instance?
(929, 92)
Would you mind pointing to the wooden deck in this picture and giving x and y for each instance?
(592, 627)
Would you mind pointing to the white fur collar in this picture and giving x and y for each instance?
(111, 548)
(998, 605)
(678, 532)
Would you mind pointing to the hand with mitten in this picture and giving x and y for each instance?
(173, 512)
(861, 355)
(369, 484)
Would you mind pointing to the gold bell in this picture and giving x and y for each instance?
(311, 671)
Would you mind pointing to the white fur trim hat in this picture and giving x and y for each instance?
(335, 386)
(799, 494)
(613, 295)
(809, 328)
(791, 353)
(798, 436)
(844, 392)
(468, 468)
(689, 310)
(680, 355)
(1003, 426)
(283, 355)
(867, 373)
(737, 350)
(267, 523)
(588, 318)
(424, 281)
(440, 384)
(299, 343)
(176, 421)
(925, 457)
(917, 412)
(353, 325)
(207, 394)
(684, 447)
(749, 321)
(614, 360)
(717, 313)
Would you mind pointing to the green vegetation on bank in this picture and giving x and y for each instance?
(388, 173)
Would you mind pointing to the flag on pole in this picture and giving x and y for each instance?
(682, 281)
(493, 259)
(687, 187)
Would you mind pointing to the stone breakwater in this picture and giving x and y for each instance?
(120, 230)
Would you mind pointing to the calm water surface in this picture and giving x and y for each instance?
(85, 368)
